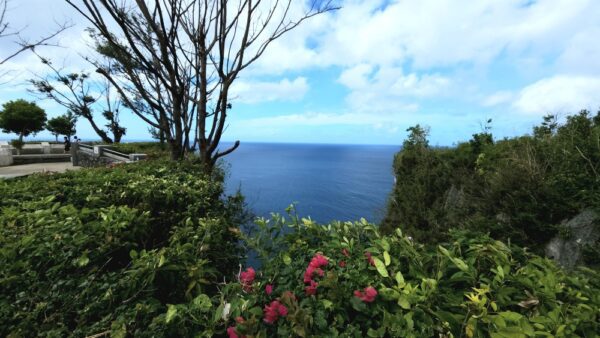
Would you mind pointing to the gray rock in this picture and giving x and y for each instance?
(583, 231)
(455, 198)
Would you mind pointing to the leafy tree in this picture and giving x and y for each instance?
(482, 139)
(417, 137)
(75, 91)
(174, 61)
(22, 118)
(547, 128)
(62, 125)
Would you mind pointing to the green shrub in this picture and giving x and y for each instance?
(470, 287)
(154, 150)
(519, 189)
(109, 249)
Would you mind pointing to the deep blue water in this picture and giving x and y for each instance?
(328, 182)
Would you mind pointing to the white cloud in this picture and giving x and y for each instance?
(498, 98)
(388, 88)
(560, 94)
(431, 33)
(582, 53)
(329, 119)
(256, 91)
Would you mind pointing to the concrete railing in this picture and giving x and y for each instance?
(98, 155)
(80, 154)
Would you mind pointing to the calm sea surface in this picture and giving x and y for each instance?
(328, 182)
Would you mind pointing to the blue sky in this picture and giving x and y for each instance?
(367, 72)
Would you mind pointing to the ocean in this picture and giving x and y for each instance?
(327, 182)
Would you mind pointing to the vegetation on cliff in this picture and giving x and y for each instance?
(519, 189)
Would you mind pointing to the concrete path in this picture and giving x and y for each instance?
(28, 169)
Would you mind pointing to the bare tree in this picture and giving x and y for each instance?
(23, 43)
(174, 61)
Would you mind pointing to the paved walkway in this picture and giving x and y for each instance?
(28, 169)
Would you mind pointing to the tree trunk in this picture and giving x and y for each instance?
(99, 131)
(176, 150)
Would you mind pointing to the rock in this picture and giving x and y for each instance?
(455, 198)
(582, 231)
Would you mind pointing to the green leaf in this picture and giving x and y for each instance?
(171, 313)
(386, 258)
(403, 302)
(385, 245)
(380, 267)
(327, 304)
(512, 316)
(120, 332)
(287, 260)
(202, 303)
(400, 279)
(358, 304)
(82, 261)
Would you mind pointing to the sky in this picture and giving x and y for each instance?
(367, 72)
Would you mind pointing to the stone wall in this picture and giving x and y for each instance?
(90, 160)
(6, 157)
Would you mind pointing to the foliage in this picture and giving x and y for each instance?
(22, 118)
(374, 285)
(518, 189)
(107, 250)
(154, 150)
(17, 144)
(77, 93)
(62, 125)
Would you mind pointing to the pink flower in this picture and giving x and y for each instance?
(369, 258)
(311, 289)
(273, 311)
(315, 265)
(308, 274)
(345, 252)
(342, 264)
(367, 295)
(269, 289)
(232, 333)
(247, 278)
(318, 261)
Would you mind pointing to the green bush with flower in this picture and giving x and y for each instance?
(348, 280)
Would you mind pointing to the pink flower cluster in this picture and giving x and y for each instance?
(316, 263)
(247, 278)
(231, 332)
(367, 295)
(273, 311)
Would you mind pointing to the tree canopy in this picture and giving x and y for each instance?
(62, 125)
(22, 118)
